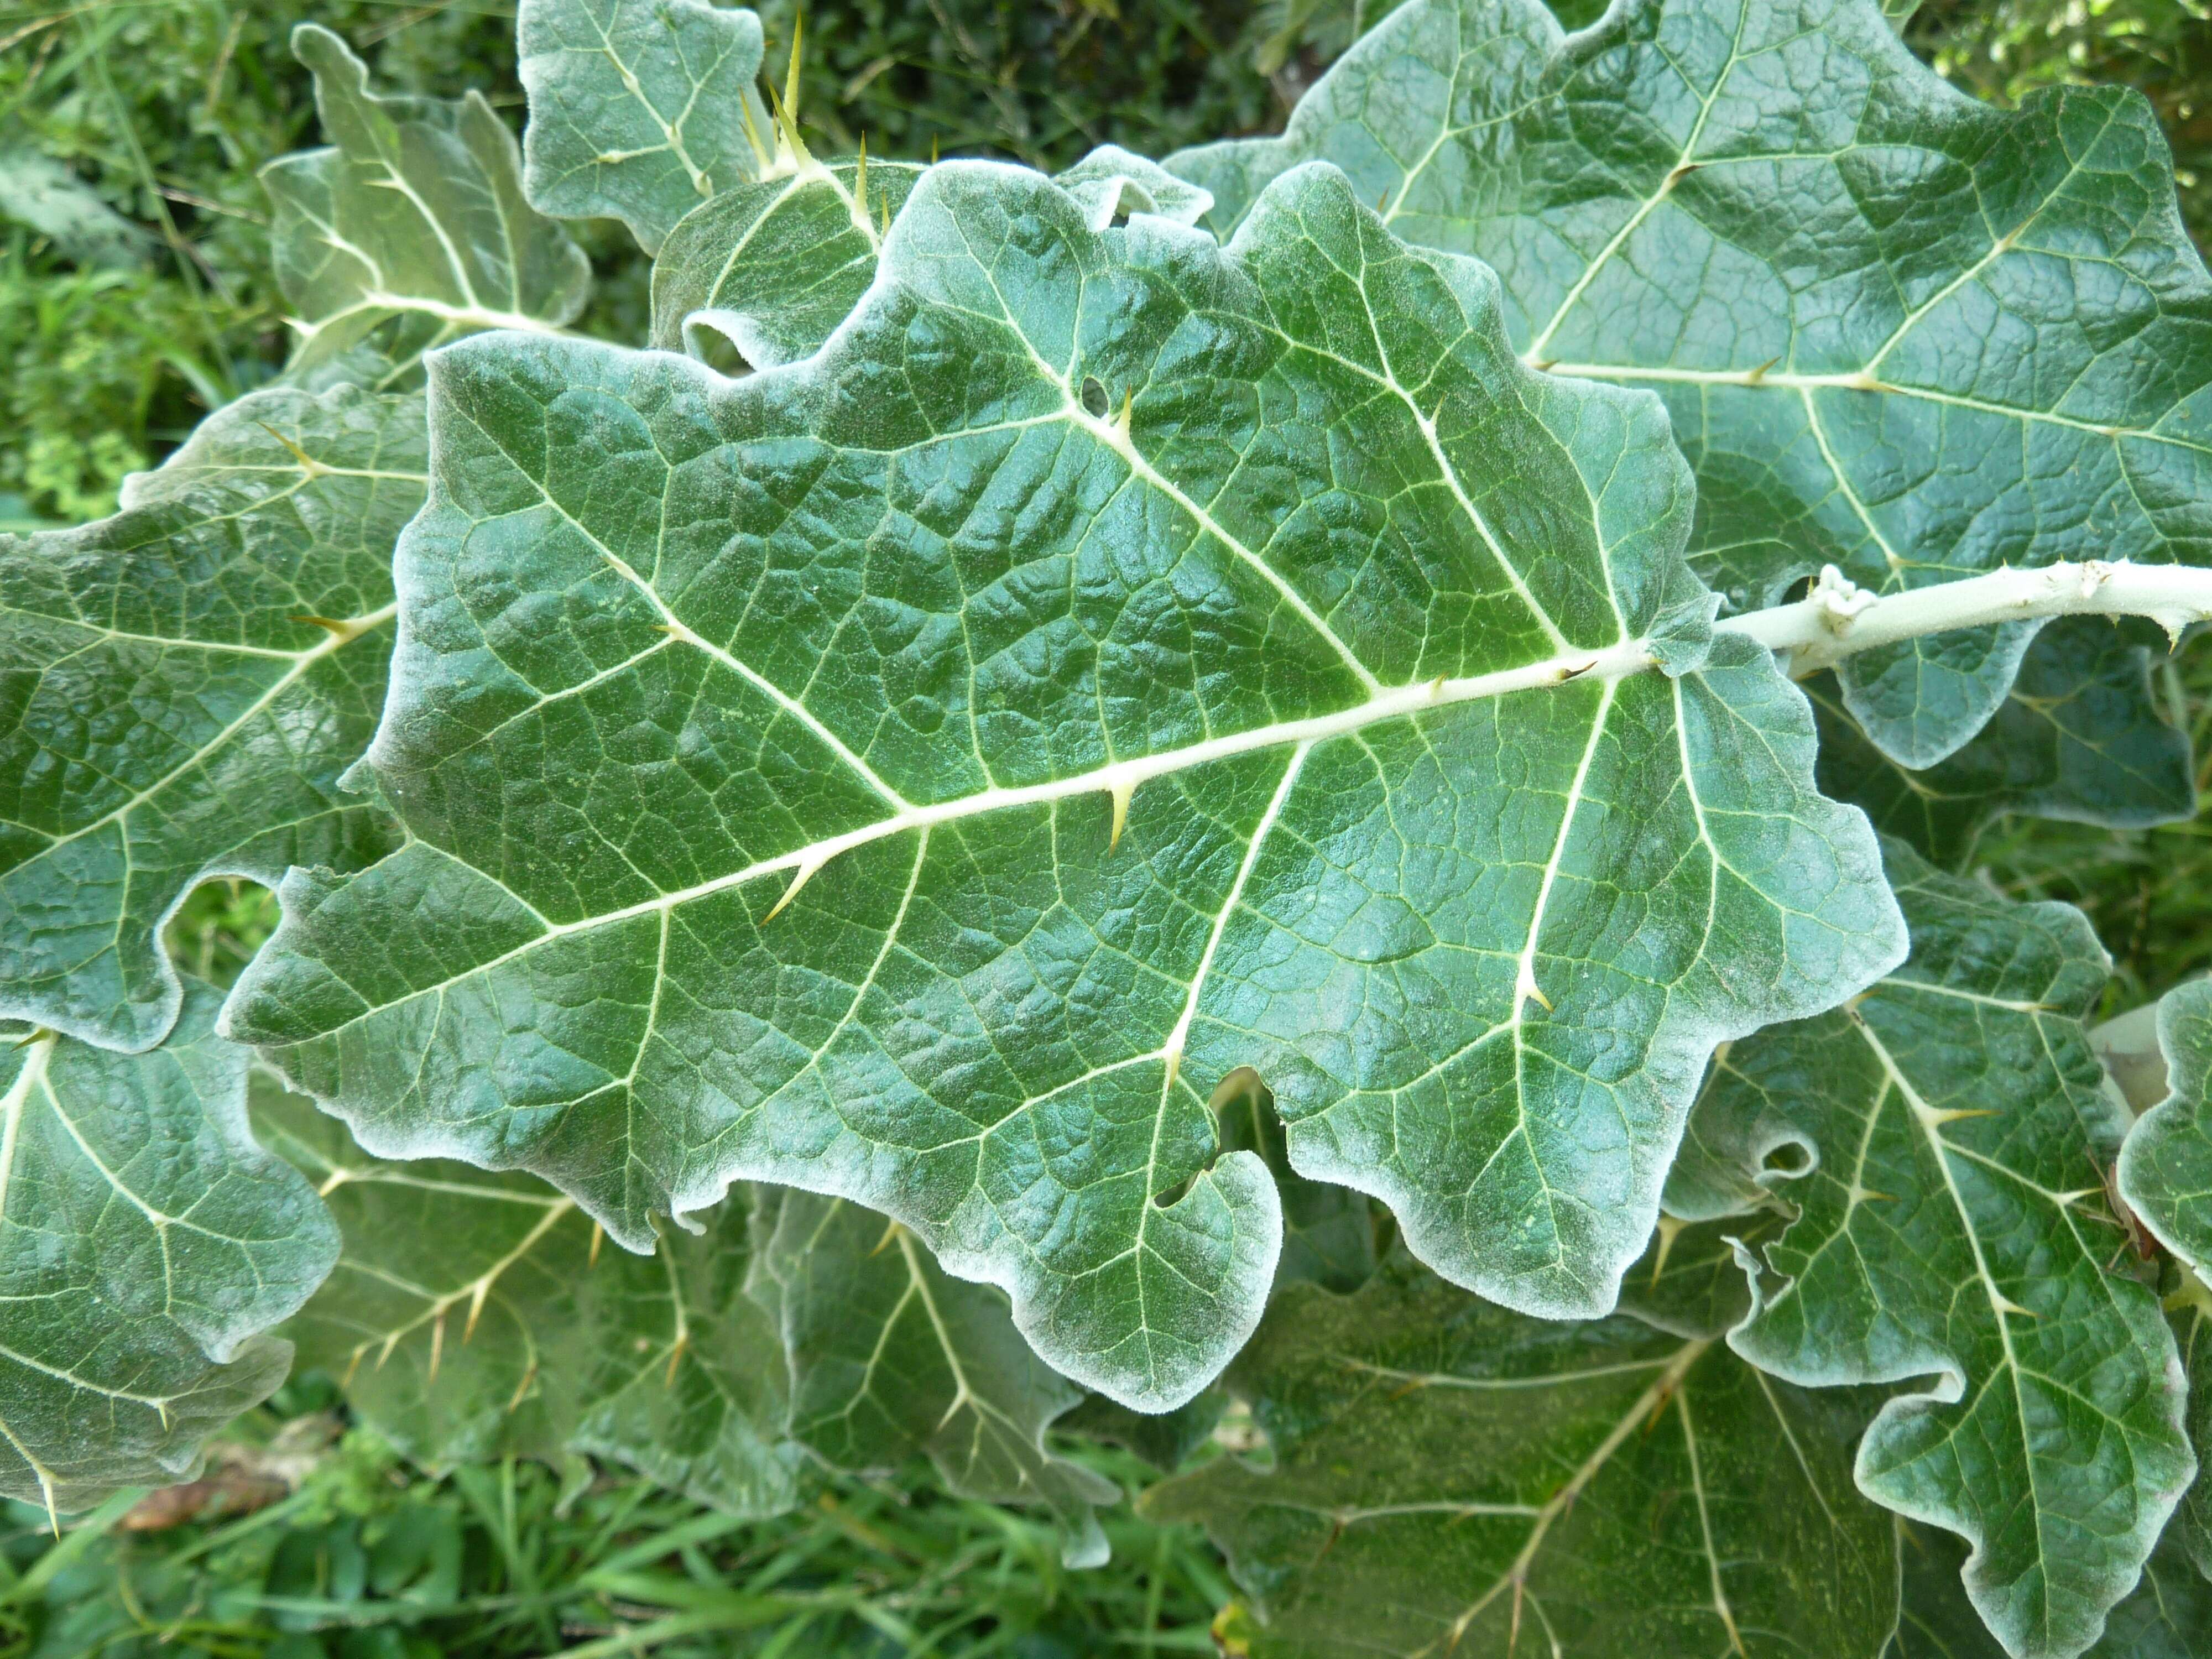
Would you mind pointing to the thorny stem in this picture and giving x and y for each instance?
(1837, 620)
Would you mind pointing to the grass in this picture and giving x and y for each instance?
(370, 1561)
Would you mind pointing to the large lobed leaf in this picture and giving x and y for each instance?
(1943, 1139)
(921, 772)
(1451, 1478)
(2164, 1170)
(640, 110)
(147, 1245)
(410, 230)
(473, 1315)
(2165, 1176)
(2168, 1615)
(1897, 330)
(180, 687)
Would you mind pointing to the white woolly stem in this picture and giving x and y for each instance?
(1838, 619)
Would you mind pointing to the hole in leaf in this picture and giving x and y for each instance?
(214, 932)
(1095, 402)
(1788, 1159)
(710, 346)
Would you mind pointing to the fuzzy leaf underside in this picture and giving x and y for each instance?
(167, 711)
(1750, 206)
(2165, 1167)
(2080, 736)
(147, 1246)
(1950, 1128)
(890, 1357)
(763, 742)
(472, 1316)
(412, 230)
(638, 108)
(1452, 1477)
(773, 267)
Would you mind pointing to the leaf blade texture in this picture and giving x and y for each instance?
(639, 109)
(1135, 777)
(1451, 1476)
(472, 1316)
(146, 1248)
(1898, 331)
(186, 681)
(890, 1357)
(411, 229)
(1951, 1128)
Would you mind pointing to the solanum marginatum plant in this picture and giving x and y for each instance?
(1241, 774)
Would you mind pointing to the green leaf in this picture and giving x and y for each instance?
(766, 743)
(773, 268)
(147, 1245)
(890, 1357)
(473, 1317)
(1452, 1477)
(1898, 331)
(44, 196)
(2079, 738)
(639, 109)
(1952, 1223)
(2167, 1616)
(180, 686)
(2189, 1305)
(412, 230)
(2165, 1170)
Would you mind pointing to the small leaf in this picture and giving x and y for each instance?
(1452, 1477)
(41, 194)
(773, 267)
(890, 1357)
(1898, 331)
(415, 218)
(471, 1318)
(1111, 183)
(180, 687)
(1952, 1223)
(147, 1245)
(638, 108)
(765, 740)
(2079, 738)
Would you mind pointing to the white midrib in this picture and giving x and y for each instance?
(11, 1108)
(1123, 777)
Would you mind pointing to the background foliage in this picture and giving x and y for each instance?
(135, 294)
